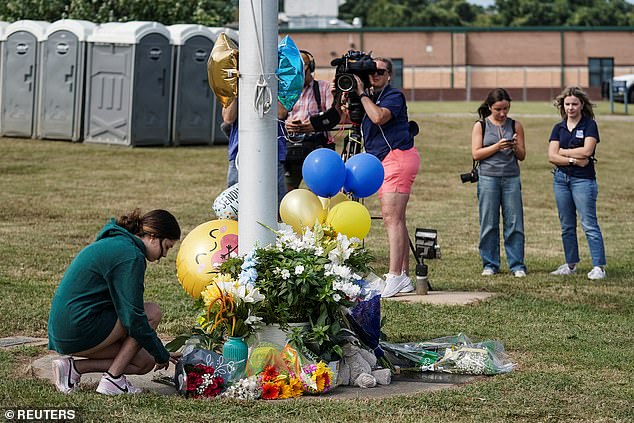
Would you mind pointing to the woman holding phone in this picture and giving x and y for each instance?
(497, 142)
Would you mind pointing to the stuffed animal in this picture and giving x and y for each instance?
(356, 368)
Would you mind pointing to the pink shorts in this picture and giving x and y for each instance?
(401, 167)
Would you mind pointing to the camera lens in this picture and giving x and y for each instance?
(345, 83)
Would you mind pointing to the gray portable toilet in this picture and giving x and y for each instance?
(3, 27)
(193, 102)
(128, 84)
(63, 62)
(19, 85)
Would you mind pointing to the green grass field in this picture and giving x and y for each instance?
(570, 337)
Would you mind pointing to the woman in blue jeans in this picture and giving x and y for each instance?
(497, 142)
(571, 149)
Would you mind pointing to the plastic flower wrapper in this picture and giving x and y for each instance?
(265, 354)
(365, 320)
(484, 358)
(410, 355)
(454, 354)
(275, 379)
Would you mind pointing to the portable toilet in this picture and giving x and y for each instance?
(193, 102)
(128, 84)
(63, 62)
(19, 85)
(3, 27)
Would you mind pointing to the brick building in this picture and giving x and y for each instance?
(533, 63)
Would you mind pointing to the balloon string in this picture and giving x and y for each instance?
(263, 97)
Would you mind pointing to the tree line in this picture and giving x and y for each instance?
(374, 13)
(167, 12)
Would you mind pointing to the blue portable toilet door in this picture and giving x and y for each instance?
(60, 85)
(194, 108)
(19, 84)
(151, 91)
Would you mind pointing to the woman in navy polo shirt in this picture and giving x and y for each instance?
(386, 135)
(571, 149)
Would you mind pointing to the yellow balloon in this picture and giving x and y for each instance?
(329, 203)
(202, 250)
(350, 218)
(300, 208)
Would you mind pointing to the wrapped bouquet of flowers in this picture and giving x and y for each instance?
(202, 381)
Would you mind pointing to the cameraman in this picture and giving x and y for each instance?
(316, 97)
(386, 135)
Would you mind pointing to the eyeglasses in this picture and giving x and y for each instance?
(380, 72)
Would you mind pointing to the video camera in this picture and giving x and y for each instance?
(350, 64)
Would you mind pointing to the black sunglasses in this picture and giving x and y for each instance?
(379, 72)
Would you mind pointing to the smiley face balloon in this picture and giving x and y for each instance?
(202, 251)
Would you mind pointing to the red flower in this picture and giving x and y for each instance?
(269, 373)
(270, 391)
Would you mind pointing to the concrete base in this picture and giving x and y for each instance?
(403, 384)
(442, 297)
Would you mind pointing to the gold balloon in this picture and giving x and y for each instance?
(350, 218)
(206, 246)
(329, 203)
(301, 208)
(222, 69)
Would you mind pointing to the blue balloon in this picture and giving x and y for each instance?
(364, 175)
(324, 172)
(290, 73)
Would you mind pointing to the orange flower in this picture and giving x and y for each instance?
(270, 391)
(269, 373)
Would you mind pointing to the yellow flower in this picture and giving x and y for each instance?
(321, 376)
(286, 391)
(296, 387)
(211, 294)
(223, 278)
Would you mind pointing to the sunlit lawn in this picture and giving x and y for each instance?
(570, 337)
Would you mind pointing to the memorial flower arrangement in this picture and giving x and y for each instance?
(226, 308)
(230, 306)
(311, 278)
(317, 378)
(202, 381)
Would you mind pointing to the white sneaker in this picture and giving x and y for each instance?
(394, 284)
(565, 269)
(596, 273)
(66, 378)
(409, 287)
(109, 385)
(519, 274)
(488, 272)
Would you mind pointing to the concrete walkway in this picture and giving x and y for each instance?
(403, 384)
(442, 297)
